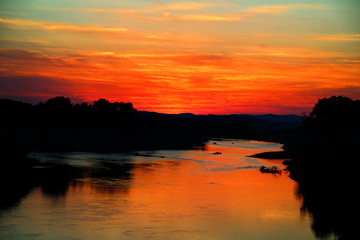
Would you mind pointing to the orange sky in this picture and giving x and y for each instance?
(220, 57)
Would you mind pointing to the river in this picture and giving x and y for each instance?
(215, 192)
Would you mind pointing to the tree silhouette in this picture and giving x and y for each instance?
(58, 105)
(336, 108)
(102, 106)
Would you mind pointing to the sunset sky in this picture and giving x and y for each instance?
(220, 56)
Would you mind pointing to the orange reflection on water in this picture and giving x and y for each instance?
(182, 194)
(218, 197)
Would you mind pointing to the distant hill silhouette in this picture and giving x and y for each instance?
(262, 122)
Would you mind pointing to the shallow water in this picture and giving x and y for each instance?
(169, 194)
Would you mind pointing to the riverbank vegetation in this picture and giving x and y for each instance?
(325, 162)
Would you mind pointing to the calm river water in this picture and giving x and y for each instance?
(168, 194)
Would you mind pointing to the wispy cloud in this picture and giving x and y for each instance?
(61, 26)
(187, 6)
(175, 6)
(172, 12)
(339, 37)
(175, 11)
(285, 52)
(282, 8)
(201, 17)
(167, 11)
(128, 36)
(349, 61)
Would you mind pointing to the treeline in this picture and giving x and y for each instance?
(60, 125)
(61, 106)
(325, 163)
(332, 128)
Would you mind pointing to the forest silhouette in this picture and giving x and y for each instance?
(103, 126)
(59, 125)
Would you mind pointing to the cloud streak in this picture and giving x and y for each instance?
(175, 6)
(167, 11)
(61, 26)
(339, 37)
(282, 8)
(201, 18)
